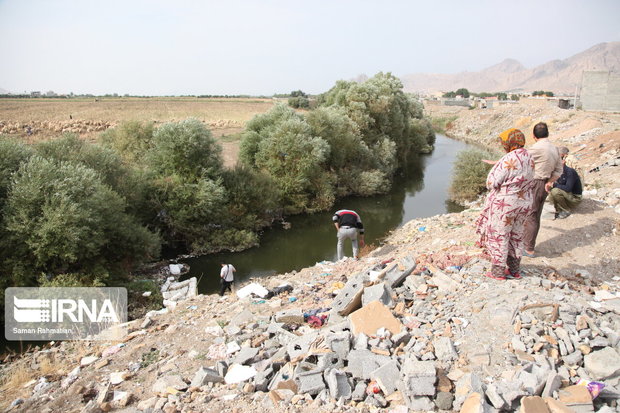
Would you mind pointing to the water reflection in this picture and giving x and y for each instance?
(420, 191)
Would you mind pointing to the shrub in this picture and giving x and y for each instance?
(61, 218)
(12, 154)
(470, 174)
(131, 140)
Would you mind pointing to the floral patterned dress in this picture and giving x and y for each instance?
(500, 224)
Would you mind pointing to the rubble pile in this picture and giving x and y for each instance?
(399, 335)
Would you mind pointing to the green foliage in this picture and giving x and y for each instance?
(61, 218)
(12, 154)
(251, 202)
(470, 174)
(185, 148)
(130, 183)
(299, 100)
(502, 96)
(131, 140)
(442, 124)
(138, 304)
(542, 93)
(463, 92)
(70, 280)
(514, 97)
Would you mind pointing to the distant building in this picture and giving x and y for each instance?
(35, 94)
(600, 91)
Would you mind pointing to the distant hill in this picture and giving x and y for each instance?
(559, 76)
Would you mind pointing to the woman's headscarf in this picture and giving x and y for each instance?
(512, 139)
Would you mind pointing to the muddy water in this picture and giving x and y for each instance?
(421, 191)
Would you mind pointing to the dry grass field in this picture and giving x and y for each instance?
(35, 120)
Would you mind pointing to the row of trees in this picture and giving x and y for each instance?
(500, 95)
(89, 213)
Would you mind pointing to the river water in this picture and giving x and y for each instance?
(421, 191)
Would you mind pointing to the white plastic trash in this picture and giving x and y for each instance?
(175, 269)
(252, 288)
(238, 373)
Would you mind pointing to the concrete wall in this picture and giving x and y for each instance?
(600, 90)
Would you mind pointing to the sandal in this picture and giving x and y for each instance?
(511, 275)
(495, 277)
(527, 254)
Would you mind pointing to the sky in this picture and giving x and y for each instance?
(262, 47)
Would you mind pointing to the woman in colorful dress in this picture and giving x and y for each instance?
(500, 224)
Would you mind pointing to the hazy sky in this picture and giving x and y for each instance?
(162, 47)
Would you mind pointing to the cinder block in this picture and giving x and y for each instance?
(339, 343)
(378, 292)
(338, 384)
(204, 376)
(387, 377)
(245, 355)
(363, 362)
(311, 383)
(444, 349)
(301, 345)
(420, 386)
(329, 361)
(349, 298)
(396, 275)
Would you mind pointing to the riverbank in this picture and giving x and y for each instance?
(493, 346)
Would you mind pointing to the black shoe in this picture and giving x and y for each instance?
(555, 216)
(563, 214)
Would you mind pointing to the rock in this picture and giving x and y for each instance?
(602, 364)
(372, 317)
(444, 400)
(172, 381)
(475, 404)
(86, 361)
(444, 349)
(533, 404)
(205, 375)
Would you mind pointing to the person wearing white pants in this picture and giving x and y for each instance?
(348, 225)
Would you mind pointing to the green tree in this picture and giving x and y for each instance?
(131, 140)
(470, 173)
(462, 92)
(61, 218)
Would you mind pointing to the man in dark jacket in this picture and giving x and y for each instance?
(566, 191)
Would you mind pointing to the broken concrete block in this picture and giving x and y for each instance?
(292, 316)
(359, 393)
(443, 282)
(444, 349)
(373, 316)
(387, 377)
(401, 338)
(340, 343)
(361, 342)
(204, 376)
(420, 403)
(262, 379)
(349, 298)
(379, 292)
(245, 355)
(329, 361)
(533, 404)
(398, 273)
(163, 383)
(311, 382)
(495, 397)
(602, 364)
(419, 377)
(338, 384)
(242, 318)
(554, 382)
(300, 346)
(363, 362)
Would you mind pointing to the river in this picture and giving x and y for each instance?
(421, 191)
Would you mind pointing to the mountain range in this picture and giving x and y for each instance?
(558, 76)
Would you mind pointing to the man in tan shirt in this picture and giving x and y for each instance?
(547, 169)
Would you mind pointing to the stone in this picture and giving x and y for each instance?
(359, 392)
(245, 355)
(86, 361)
(475, 404)
(554, 382)
(419, 377)
(533, 404)
(173, 381)
(147, 404)
(602, 364)
(205, 375)
(573, 359)
(292, 316)
(574, 395)
(493, 394)
(329, 361)
(444, 400)
(300, 346)
(387, 377)
(517, 344)
(242, 318)
(378, 292)
(443, 281)
(555, 406)
(444, 349)
(372, 317)
(340, 343)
